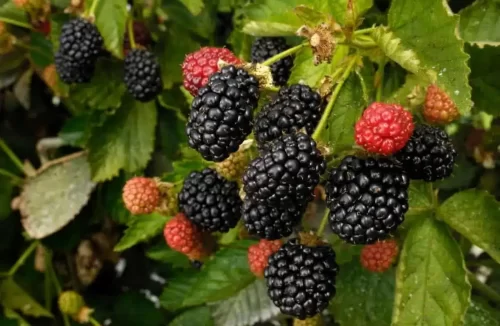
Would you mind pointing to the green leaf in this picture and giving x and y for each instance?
(12, 314)
(428, 28)
(203, 24)
(106, 89)
(12, 296)
(171, 52)
(199, 316)
(52, 198)
(481, 314)
(304, 69)
(124, 141)
(484, 78)
(480, 23)
(194, 6)
(133, 309)
(141, 228)
(363, 297)
(163, 253)
(41, 50)
(249, 307)
(421, 197)
(339, 132)
(11, 14)
(431, 283)
(279, 17)
(345, 252)
(112, 199)
(475, 215)
(111, 18)
(241, 44)
(221, 277)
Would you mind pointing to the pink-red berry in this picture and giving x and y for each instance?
(199, 65)
(379, 257)
(384, 128)
(141, 195)
(258, 255)
(438, 107)
(183, 236)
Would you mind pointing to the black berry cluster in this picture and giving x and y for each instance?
(221, 113)
(210, 201)
(267, 47)
(295, 108)
(367, 199)
(301, 279)
(142, 75)
(429, 154)
(80, 46)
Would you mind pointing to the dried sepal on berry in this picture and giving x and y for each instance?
(321, 39)
(168, 204)
(313, 321)
(439, 108)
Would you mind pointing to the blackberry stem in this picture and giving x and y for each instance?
(324, 221)
(380, 82)
(93, 8)
(16, 23)
(326, 114)
(283, 54)
(17, 162)
(130, 29)
(20, 262)
(94, 322)
(483, 288)
(12, 176)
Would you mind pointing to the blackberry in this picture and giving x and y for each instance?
(80, 45)
(270, 222)
(266, 47)
(367, 199)
(301, 279)
(221, 113)
(210, 201)
(142, 75)
(429, 154)
(296, 107)
(286, 173)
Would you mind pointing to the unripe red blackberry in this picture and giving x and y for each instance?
(379, 257)
(200, 65)
(258, 255)
(182, 235)
(233, 167)
(141, 195)
(439, 108)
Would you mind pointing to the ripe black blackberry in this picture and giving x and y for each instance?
(270, 222)
(142, 75)
(301, 278)
(367, 199)
(286, 173)
(429, 154)
(296, 107)
(221, 113)
(266, 47)
(210, 201)
(80, 44)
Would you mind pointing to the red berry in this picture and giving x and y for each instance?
(141, 195)
(438, 107)
(384, 128)
(378, 257)
(183, 236)
(198, 66)
(258, 255)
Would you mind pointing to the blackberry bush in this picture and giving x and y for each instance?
(181, 148)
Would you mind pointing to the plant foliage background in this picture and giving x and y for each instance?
(72, 207)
